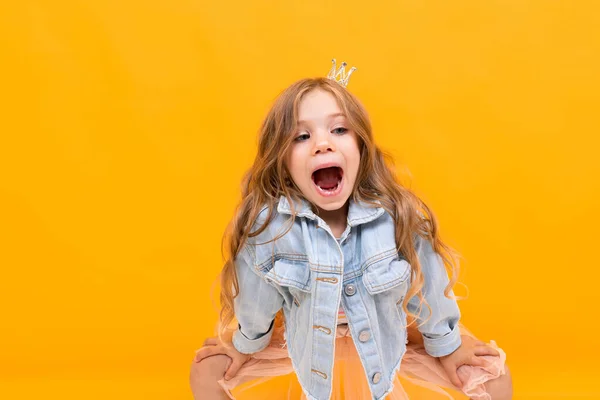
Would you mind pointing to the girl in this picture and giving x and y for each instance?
(336, 271)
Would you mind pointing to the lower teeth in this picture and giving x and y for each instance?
(329, 190)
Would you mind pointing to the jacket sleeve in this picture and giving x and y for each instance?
(441, 334)
(255, 306)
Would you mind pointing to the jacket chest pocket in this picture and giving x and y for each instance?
(387, 280)
(293, 276)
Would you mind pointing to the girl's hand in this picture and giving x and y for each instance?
(467, 354)
(213, 346)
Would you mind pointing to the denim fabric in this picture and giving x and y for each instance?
(308, 273)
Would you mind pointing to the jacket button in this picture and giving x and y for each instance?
(364, 336)
(376, 377)
(350, 289)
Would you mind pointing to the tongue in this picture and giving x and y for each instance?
(327, 178)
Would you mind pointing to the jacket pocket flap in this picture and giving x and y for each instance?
(292, 273)
(385, 274)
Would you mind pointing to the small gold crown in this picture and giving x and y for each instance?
(333, 75)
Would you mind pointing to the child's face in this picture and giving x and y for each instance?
(322, 139)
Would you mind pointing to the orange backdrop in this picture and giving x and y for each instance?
(127, 126)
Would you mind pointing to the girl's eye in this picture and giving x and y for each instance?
(301, 138)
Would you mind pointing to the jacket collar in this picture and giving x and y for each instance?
(358, 212)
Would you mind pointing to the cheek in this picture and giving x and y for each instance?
(350, 144)
(294, 163)
(352, 154)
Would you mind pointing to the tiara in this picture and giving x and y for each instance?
(333, 74)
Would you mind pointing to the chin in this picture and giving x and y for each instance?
(331, 205)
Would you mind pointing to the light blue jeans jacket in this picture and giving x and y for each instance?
(310, 273)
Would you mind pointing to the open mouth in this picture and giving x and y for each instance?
(328, 180)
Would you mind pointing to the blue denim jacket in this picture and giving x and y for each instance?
(309, 272)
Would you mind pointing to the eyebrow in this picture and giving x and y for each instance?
(329, 116)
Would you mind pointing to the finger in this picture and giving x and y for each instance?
(485, 351)
(453, 376)
(233, 369)
(207, 352)
(478, 362)
(210, 341)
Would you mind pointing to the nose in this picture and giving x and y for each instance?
(323, 145)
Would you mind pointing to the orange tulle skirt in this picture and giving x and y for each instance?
(349, 380)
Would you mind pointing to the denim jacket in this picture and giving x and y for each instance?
(310, 273)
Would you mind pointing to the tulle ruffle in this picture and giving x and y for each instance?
(349, 381)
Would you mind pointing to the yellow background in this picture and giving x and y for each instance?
(126, 127)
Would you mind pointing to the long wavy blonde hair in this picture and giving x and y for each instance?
(268, 179)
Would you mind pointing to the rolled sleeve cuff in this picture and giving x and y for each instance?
(249, 346)
(444, 345)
